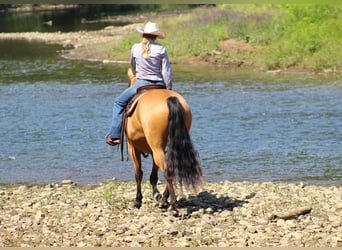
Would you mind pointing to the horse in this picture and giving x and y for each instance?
(159, 126)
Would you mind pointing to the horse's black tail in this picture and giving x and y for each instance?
(182, 159)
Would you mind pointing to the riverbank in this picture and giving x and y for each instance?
(112, 44)
(82, 45)
(93, 45)
(223, 214)
(97, 46)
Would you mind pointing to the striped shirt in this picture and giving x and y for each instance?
(155, 68)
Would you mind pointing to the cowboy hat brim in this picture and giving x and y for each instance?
(157, 33)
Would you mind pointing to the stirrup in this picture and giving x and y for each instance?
(112, 141)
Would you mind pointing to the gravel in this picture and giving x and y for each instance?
(222, 214)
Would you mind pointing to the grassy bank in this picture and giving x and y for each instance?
(269, 37)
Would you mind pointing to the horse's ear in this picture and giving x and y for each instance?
(130, 73)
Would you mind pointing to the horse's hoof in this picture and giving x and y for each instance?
(174, 212)
(137, 205)
(157, 196)
(163, 204)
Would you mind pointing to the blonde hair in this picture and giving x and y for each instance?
(146, 45)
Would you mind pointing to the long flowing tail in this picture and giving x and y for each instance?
(182, 159)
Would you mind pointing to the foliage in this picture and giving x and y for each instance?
(311, 38)
(194, 35)
(290, 35)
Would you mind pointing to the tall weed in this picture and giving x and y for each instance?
(291, 35)
(311, 38)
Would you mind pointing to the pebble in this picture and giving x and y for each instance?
(69, 215)
(67, 182)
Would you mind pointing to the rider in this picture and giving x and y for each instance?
(151, 63)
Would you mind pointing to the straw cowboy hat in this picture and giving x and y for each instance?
(152, 29)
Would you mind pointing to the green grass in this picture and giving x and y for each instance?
(311, 38)
(289, 35)
(112, 194)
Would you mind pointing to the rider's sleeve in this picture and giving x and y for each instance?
(132, 61)
(166, 71)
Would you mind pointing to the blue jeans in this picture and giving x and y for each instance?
(121, 102)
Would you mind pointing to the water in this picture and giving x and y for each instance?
(54, 114)
(74, 19)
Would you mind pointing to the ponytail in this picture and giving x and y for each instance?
(146, 44)
(145, 47)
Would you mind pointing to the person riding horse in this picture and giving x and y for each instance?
(151, 63)
(159, 124)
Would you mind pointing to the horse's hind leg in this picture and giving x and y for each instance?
(136, 157)
(173, 200)
(154, 181)
(138, 197)
(165, 196)
(158, 162)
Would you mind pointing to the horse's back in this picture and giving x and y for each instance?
(154, 103)
(158, 97)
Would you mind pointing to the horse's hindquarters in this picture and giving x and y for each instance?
(147, 127)
(150, 118)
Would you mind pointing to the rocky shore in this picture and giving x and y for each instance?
(222, 214)
(92, 45)
(81, 45)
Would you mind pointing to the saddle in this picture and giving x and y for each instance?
(140, 91)
(129, 110)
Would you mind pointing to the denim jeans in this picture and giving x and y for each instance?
(121, 102)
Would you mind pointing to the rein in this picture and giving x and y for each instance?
(122, 137)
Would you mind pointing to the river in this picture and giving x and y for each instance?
(247, 126)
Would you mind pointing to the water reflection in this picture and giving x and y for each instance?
(67, 20)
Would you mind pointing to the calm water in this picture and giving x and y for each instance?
(54, 114)
(74, 19)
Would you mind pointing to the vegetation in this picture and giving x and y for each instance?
(264, 36)
(283, 36)
(122, 8)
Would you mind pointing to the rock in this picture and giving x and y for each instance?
(38, 217)
(67, 182)
(222, 244)
(209, 219)
(67, 44)
(209, 210)
(172, 230)
(225, 213)
(108, 243)
(252, 229)
(262, 221)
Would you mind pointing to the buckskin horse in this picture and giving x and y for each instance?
(159, 125)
